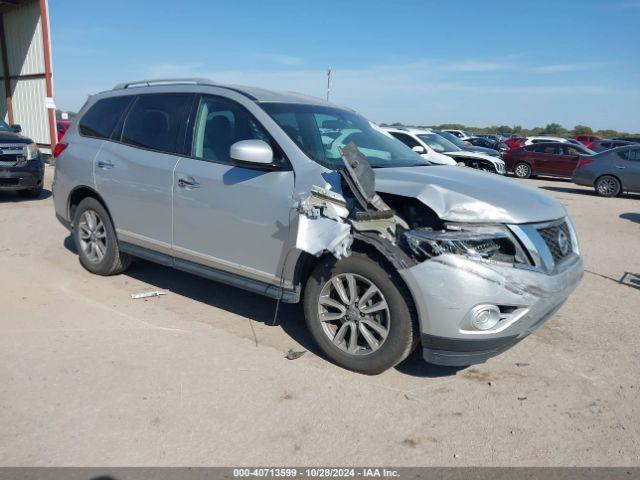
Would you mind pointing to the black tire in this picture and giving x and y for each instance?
(31, 192)
(522, 170)
(402, 325)
(608, 186)
(113, 261)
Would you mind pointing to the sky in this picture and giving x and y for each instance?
(425, 62)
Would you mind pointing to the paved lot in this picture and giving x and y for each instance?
(90, 377)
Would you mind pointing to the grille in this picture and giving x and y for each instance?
(552, 237)
(9, 181)
(9, 154)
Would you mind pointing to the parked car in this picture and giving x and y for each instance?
(61, 127)
(21, 164)
(416, 139)
(586, 139)
(610, 172)
(385, 250)
(461, 134)
(490, 143)
(544, 139)
(551, 158)
(602, 145)
(430, 141)
(514, 142)
(629, 139)
(467, 147)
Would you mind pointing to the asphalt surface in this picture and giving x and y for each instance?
(89, 376)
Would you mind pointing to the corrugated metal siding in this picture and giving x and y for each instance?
(29, 109)
(23, 30)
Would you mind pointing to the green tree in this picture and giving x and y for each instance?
(555, 129)
(582, 130)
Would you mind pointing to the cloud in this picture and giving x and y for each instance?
(565, 67)
(281, 58)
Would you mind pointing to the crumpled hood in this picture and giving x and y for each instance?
(461, 194)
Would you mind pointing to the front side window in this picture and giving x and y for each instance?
(155, 121)
(630, 154)
(102, 117)
(320, 132)
(219, 124)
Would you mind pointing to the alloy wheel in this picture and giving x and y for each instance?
(354, 314)
(522, 170)
(93, 236)
(607, 187)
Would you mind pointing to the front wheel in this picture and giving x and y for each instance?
(608, 186)
(359, 314)
(522, 170)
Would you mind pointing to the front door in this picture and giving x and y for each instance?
(230, 218)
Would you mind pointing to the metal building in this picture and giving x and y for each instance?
(26, 79)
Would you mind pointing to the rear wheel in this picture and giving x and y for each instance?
(608, 186)
(96, 240)
(522, 170)
(359, 314)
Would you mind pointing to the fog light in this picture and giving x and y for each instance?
(485, 317)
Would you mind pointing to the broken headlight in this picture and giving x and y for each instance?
(32, 151)
(492, 243)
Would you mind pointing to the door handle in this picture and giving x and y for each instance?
(188, 183)
(105, 164)
(620, 167)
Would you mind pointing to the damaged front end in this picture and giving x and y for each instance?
(478, 287)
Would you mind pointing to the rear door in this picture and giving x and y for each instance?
(566, 160)
(134, 171)
(231, 218)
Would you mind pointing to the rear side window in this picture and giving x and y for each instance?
(102, 117)
(406, 139)
(630, 154)
(156, 120)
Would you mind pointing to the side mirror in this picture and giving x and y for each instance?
(16, 128)
(252, 154)
(419, 149)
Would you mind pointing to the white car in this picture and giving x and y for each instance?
(429, 144)
(411, 137)
(532, 140)
(461, 134)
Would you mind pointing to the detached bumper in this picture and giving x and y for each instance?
(447, 288)
(30, 175)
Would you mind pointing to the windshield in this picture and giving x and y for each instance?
(321, 131)
(453, 139)
(438, 143)
(4, 127)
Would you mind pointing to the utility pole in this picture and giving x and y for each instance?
(328, 83)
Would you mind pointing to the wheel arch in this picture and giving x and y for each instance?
(78, 194)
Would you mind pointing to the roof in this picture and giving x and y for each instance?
(257, 94)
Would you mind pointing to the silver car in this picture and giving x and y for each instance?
(297, 199)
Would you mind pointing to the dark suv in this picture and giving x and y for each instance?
(21, 165)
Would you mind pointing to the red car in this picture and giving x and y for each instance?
(61, 126)
(548, 158)
(586, 139)
(514, 142)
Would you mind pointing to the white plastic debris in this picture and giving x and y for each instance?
(155, 293)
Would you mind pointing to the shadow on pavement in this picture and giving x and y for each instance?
(632, 217)
(253, 306)
(14, 197)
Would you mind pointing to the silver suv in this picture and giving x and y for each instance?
(297, 199)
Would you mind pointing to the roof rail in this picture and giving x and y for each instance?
(163, 81)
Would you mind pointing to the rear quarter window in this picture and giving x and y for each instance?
(102, 117)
